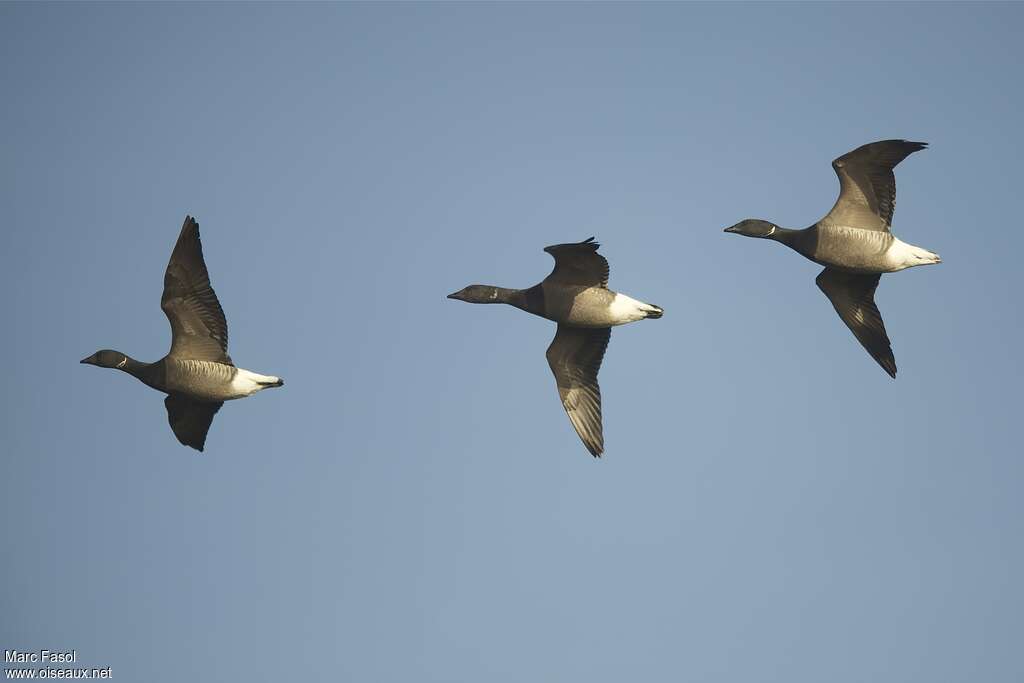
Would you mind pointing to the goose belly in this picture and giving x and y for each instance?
(854, 249)
(200, 379)
(604, 308)
(214, 382)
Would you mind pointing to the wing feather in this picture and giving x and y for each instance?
(199, 330)
(190, 420)
(575, 356)
(853, 297)
(867, 195)
(579, 264)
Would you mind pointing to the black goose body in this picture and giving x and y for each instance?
(576, 296)
(854, 241)
(205, 380)
(849, 249)
(197, 374)
(199, 379)
(574, 305)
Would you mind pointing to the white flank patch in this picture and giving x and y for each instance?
(625, 309)
(247, 383)
(902, 255)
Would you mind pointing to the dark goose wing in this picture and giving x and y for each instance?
(578, 263)
(867, 194)
(575, 358)
(189, 419)
(199, 330)
(853, 297)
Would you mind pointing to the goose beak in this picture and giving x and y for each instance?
(731, 228)
(87, 361)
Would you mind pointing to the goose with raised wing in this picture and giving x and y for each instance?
(196, 374)
(576, 296)
(854, 241)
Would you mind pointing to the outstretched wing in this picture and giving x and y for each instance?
(853, 297)
(867, 194)
(578, 263)
(575, 357)
(199, 330)
(189, 419)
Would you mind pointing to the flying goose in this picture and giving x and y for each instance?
(854, 241)
(196, 374)
(576, 296)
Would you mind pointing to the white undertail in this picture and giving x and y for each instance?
(247, 383)
(902, 255)
(626, 309)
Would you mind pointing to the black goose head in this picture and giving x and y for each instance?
(478, 294)
(753, 227)
(106, 358)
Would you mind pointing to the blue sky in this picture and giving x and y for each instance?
(413, 505)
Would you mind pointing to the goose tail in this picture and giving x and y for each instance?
(652, 311)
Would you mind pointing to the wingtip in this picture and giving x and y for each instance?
(885, 360)
(900, 141)
(911, 146)
(589, 242)
(190, 226)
